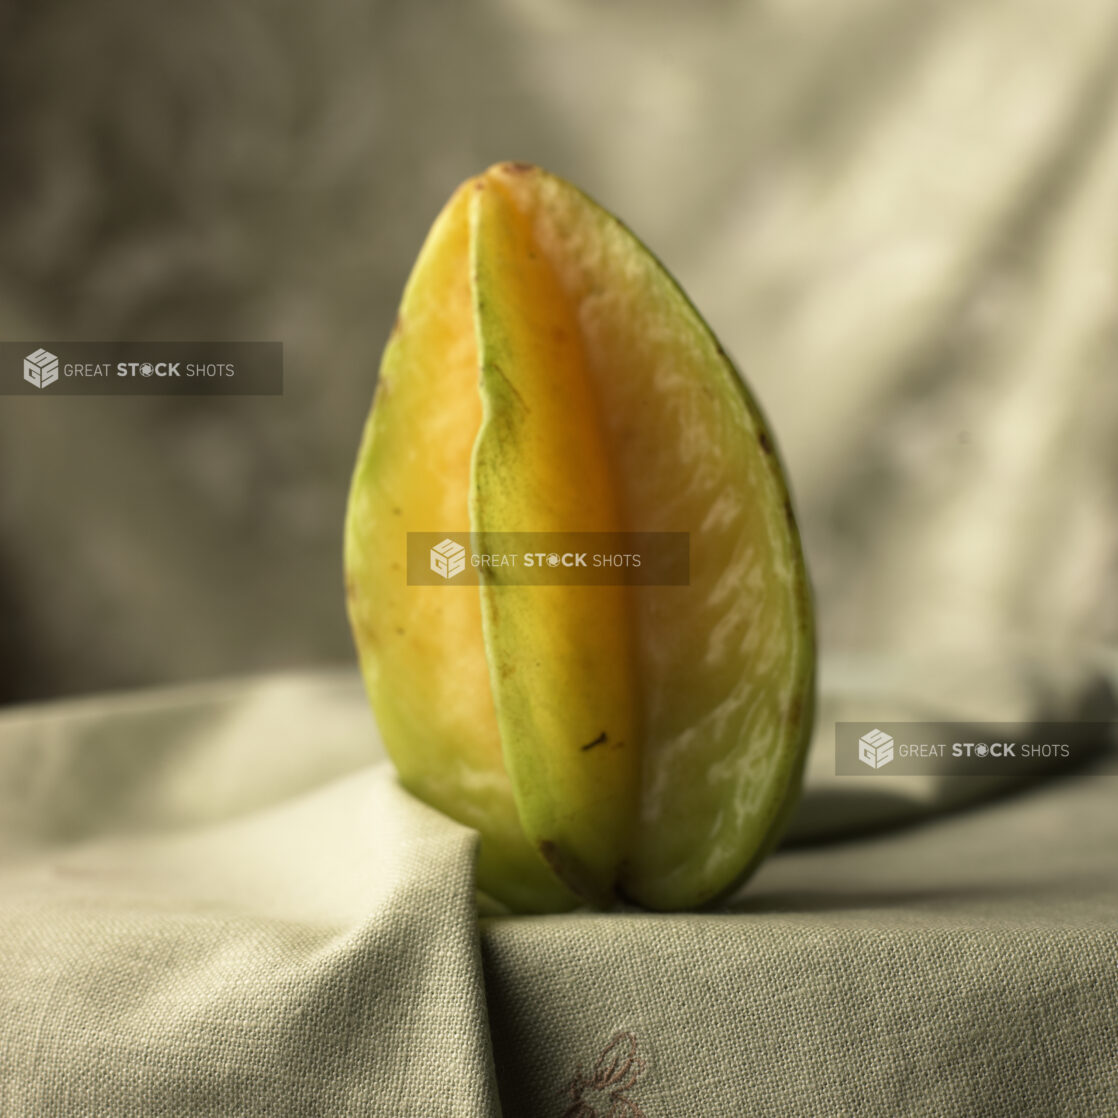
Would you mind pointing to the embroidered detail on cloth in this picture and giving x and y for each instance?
(605, 1092)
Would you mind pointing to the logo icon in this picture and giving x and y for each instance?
(448, 558)
(40, 368)
(875, 749)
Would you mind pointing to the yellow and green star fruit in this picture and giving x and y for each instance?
(546, 374)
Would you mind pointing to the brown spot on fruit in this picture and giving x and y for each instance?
(550, 854)
(566, 866)
(397, 327)
(517, 168)
(601, 739)
(766, 442)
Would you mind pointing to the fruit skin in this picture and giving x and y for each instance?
(547, 374)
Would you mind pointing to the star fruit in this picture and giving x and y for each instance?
(609, 743)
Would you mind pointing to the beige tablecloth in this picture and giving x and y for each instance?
(218, 901)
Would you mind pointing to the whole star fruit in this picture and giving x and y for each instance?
(609, 743)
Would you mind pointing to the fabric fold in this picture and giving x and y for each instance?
(313, 955)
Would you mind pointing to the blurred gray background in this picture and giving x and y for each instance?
(901, 219)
